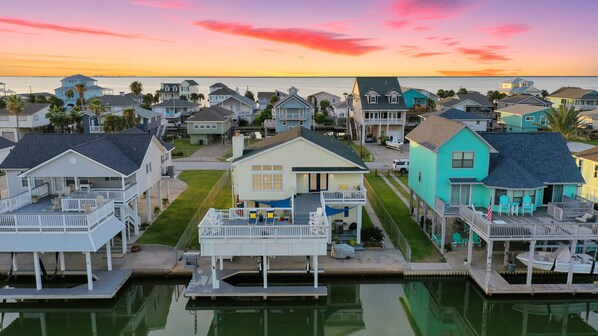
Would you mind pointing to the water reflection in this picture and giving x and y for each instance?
(414, 308)
(459, 308)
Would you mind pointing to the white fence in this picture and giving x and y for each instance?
(243, 213)
(56, 222)
(117, 194)
(345, 196)
(76, 204)
(19, 201)
(262, 231)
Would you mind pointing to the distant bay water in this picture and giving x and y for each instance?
(306, 85)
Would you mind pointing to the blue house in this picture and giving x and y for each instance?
(415, 99)
(91, 86)
(292, 111)
(523, 117)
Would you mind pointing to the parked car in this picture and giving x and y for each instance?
(401, 165)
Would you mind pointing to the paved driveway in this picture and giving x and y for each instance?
(210, 153)
(383, 156)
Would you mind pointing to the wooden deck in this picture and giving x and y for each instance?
(498, 285)
(105, 286)
(201, 286)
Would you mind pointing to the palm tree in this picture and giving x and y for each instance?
(564, 120)
(76, 117)
(96, 106)
(201, 98)
(136, 87)
(56, 116)
(194, 97)
(129, 117)
(16, 106)
(80, 89)
(70, 94)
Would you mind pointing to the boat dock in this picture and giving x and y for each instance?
(201, 286)
(105, 286)
(498, 285)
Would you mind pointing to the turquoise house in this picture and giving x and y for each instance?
(523, 117)
(452, 165)
(414, 99)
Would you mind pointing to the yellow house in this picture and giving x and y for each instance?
(587, 161)
(303, 170)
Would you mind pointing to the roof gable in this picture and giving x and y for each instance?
(523, 109)
(291, 98)
(379, 85)
(435, 131)
(212, 113)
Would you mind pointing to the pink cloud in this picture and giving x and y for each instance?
(428, 54)
(483, 72)
(68, 29)
(405, 24)
(507, 30)
(166, 4)
(484, 54)
(429, 9)
(307, 38)
(446, 41)
(418, 52)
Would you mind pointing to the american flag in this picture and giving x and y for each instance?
(489, 212)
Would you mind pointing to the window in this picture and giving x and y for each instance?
(530, 118)
(580, 166)
(394, 99)
(148, 168)
(419, 176)
(462, 160)
(543, 121)
(346, 213)
(35, 117)
(22, 118)
(460, 194)
(372, 99)
(497, 194)
(266, 177)
(24, 182)
(195, 126)
(595, 171)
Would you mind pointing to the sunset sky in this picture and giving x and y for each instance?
(299, 38)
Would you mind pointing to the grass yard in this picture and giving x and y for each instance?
(366, 157)
(396, 184)
(422, 249)
(168, 228)
(593, 142)
(224, 198)
(366, 222)
(184, 148)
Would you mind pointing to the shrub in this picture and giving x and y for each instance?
(178, 153)
(372, 235)
(352, 242)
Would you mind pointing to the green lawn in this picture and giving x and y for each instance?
(224, 198)
(168, 228)
(184, 147)
(422, 249)
(593, 142)
(366, 222)
(396, 184)
(366, 157)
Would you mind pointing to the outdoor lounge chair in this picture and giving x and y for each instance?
(503, 205)
(252, 217)
(269, 217)
(527, 206)
(476, 240)
(585, 217)
(457, 240)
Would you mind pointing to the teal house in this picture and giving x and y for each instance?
(452, 165)
(415, 99)
(523, 117)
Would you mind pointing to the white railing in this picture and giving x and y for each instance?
(95, 129)
(243, 213)
(262, 231)
(56, 222)
(117, 194)
(269, 123)
(528, 231)
(444, 208)
(76, 204)
(384, 121)
(345, 196)
(569, 210)
(19, 201)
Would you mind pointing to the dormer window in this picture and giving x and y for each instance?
(174, 88)
(373, 99)
(167, 88)
(394, 99)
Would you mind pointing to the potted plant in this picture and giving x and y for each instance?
(282, 217)
(34, 198)
(382, 139)
(156, 210)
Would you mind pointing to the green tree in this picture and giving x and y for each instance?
(136, 87)
(266, 114)
(16, 106)
(545, 94)
(320, 118)
(129, 118)
(41, 99)
(440, 93)
(194, 97)
(96, 106)
(449, 93)
(324, 105)
(157, 98)
(110, 123)
(183, 97)
(31, 98)
(2, 103)
(249, 95)
(80, 89)
(201, 98)
(563, 120)
(462, 91)
(431, 104)
(57, 117)
(76, 117)
(69, 94)
(55, 101)
(274, 99)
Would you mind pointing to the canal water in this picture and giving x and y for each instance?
(448, 307)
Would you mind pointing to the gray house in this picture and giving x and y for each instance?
(208, 124)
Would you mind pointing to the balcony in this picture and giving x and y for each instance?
(384, 121)
(292, 116)
(95, 129)
(445, 209)
(344, 197)
(116, 194)
(21, 200)
(269, 123)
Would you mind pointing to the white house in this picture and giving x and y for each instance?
(176, 90)
(242, 107)
(316, 98)
(77, 192)
(219, 93)
(263, 98)
(379, 108)
(473, 121)
(469, 102)
(522, 99)
(31, 120)
(175, 108)
(292, 204)
(519, 86)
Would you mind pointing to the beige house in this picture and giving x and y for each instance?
(303, 170)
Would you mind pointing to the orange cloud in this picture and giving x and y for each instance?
(507, 30)
(485, 54)
(483, 72)
(429, 9)
(405, 24)
(167, 4)
(428, 54)
(68, 29)
(307, 38)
